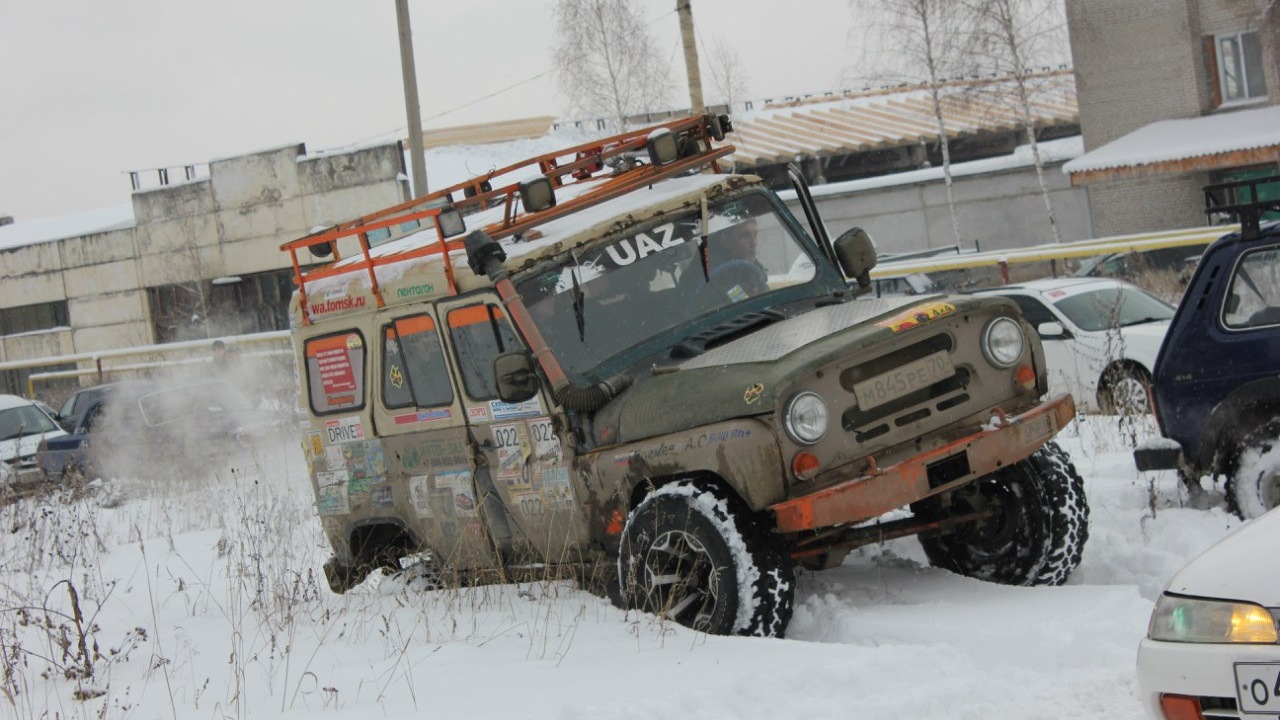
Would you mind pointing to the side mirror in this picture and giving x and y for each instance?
(1051, 330)
(856, 253)
(517, 381)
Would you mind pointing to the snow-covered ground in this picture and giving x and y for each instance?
(203, 598)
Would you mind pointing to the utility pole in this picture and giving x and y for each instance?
(417, 157)
(685, 9)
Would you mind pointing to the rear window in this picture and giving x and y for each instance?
(335, 372)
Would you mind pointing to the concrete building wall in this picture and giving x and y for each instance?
(1141, 61)
(232, 222)
(1136, 62)
(998, 210)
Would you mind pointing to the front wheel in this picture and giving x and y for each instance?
(1124, 391)
(691, 554)
(1254, 486)
(1036, 531)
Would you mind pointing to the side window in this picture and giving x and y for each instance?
(1253, 296)
(335, 372)
(413, 367)
(1033, 310)
(479, 334)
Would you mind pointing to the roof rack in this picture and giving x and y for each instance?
(612, 167)
(1239, 199)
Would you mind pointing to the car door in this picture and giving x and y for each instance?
(1065, 361)
(523, 451)
(425, 447)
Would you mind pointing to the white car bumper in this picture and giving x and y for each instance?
(1203, 671)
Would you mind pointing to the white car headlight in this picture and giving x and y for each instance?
(1180, 619)
(806, 419)
(1002, 342)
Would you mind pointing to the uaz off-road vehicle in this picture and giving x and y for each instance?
(1216, 383)
(618, 362)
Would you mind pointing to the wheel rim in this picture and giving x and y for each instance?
(1129, 396)
(679, 579)
(993, 536)
(1269, 487)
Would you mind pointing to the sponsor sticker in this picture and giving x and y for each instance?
(343, 430)
(510, 411)
(424, 416)
(917, 316)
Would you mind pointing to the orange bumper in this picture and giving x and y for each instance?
(1008, 441)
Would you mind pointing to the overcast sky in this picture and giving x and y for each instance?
(91, 89)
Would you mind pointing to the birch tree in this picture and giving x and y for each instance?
(606, 63)
(931, 38)
(1014, 36)
(728, 79)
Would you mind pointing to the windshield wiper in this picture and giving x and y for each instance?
(1143, 321)
(695, 345)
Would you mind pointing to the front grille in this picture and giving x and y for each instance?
(1218, 708)
(943, 395)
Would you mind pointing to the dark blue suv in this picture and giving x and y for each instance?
(1216, 382)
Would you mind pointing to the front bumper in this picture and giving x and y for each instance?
(880, 490)
(1202, 671)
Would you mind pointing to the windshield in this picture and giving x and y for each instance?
(617, 293)
(24, 420)
(1113, 307)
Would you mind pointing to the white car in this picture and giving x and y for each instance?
(1100, 336)
(1211, 649)
(23, 426)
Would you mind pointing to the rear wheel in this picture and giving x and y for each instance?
(1254, 486)
(1036, 532)
(691, 553)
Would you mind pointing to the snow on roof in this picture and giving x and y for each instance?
(1050, 151)
(38, 230)
(1184, 138)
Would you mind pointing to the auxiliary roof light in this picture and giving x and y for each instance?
(450, 222)
(663, 147)
(537, 194)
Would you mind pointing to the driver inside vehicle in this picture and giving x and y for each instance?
(734, 270)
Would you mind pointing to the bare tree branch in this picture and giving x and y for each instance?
(606, 63)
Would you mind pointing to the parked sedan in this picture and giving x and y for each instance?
(144, 428)
(1211, 649)
(23, 428)
(1101, 337)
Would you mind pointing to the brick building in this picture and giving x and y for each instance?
(1150, 77)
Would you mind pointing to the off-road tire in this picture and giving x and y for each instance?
(1254, 483)
(724, 573)
(342, 578)
(1038, 533)
(1123, 390)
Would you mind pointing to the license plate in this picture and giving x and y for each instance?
(1258, 687)
(903, 381)
(1036, 429)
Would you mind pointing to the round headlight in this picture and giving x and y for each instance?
(806, 419)
(1002, 342)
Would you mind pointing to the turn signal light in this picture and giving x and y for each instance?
(804, 465)
(1180, 707)
(1025, 377)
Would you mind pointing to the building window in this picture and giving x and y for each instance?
(1238, 73)
(32, 318)
(226, 306)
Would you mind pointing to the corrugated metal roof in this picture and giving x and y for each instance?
(897, 117)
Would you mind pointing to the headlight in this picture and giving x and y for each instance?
(1179, 619)
(1002, 342)
(806, 419)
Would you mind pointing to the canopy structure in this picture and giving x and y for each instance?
(1212, 142)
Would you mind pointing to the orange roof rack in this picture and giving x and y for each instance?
(606, 168)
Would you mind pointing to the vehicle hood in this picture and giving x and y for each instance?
(26, 445)
(743, 377)
(1142, 342)
(1227, 570)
